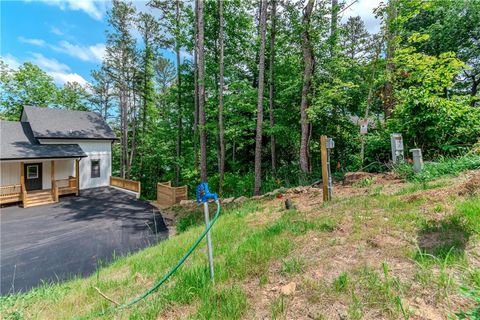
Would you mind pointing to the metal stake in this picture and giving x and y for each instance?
(209, 240)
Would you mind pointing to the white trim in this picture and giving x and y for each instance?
(136, 194)
(33, 176)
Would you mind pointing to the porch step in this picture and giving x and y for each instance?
(38, 198)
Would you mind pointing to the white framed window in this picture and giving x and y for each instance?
(95, 168)
(32, 172)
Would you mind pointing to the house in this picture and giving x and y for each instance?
(51, 152)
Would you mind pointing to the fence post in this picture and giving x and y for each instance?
(323, 152)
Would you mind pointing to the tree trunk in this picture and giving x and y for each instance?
(333, 27)
(307, 82)
(195, 98)
(220, 99)
(179, 95)
(271, 88)
(261, 85)
(389, 102)
(124, 125)
(474, 89)
(369, 98)
(201, 92)
(258, 17)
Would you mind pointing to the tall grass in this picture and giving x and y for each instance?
(438, 168)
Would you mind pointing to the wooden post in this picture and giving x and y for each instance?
(323, 152)
(22, 182)
(77, 175)
(52, 171)
(22, 173)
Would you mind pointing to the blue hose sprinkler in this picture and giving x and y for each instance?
(202, 195)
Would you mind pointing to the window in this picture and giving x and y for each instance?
(32, 172)
(95, 172)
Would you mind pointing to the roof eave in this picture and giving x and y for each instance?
(73, 138)
(45, 157)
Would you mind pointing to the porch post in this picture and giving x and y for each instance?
(22, 182)
(22, 173)
(77, 175)
(52, 171)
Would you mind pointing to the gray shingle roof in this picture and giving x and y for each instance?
(18, 142)
(50, 123)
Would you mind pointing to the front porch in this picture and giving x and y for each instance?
(35, 186)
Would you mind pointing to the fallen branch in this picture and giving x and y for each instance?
(103, 295)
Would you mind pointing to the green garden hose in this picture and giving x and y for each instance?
(177, 265)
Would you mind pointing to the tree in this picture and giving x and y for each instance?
(391, 39)
(102, 96)
(120, 56)
(221, 128)
(271, 99)
(171, 22)
(452, 26)
(354, 38)
(261, 85)
(73, 96)
(309, 64)
(149, 29)
(201, 89)
(29, 85)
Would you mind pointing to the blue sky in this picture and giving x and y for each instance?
(66, 38)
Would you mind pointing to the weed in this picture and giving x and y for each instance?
(365, 182)
(447, 237)
(443, 280)
(355, 308)
(442, 167)
(293, 265)
(473, 314)
(224, 303)
(341, 282)
(278, 307)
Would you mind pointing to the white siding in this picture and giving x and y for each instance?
(95, 149)
(10, 171)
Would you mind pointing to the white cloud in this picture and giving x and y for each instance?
(56, 31)
(35, 42)
(49, 65)
(58, 71)
(364, 9)
(94, 53)
(93, 8)
(62, 78)
(11, 61)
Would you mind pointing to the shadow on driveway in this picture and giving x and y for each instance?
(70, 238)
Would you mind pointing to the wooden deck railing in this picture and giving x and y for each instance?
(10, 193)
(168, 195)
(125, 184)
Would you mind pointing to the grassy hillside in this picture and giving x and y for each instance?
(382, 249)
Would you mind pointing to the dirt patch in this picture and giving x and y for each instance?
(354, 177)
(471, 187)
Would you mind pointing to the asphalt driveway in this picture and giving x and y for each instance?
(72, 237)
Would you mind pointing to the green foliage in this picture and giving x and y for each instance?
(29, 85)
(292, 266)
(225, 303)
(341, 282)
(440, 167)
(473, 314)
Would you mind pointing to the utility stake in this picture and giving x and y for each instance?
(209, 241)
(202, 196)
(326, 144)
